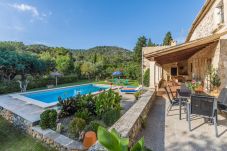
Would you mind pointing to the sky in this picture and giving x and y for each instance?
(83, 24)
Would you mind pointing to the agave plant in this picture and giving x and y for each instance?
(113, 142)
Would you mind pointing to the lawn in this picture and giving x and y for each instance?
(12, 139)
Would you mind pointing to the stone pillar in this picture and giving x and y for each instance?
(156, 76)
(152, 74)
(225, 71)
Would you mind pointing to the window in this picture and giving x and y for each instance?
(173, 71)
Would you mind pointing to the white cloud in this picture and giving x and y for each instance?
(27, 8)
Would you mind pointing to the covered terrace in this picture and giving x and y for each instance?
(183, 62)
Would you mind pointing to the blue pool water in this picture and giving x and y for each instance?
(52, 95)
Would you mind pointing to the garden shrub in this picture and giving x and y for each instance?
(146, 78)
(106, 101)
(48, 119)
(85, 102)
(93, 126)
(111, 116)
(13, 86)
(67, 106)
(76, 126)
(85, 114)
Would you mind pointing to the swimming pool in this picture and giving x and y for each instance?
(49, 97)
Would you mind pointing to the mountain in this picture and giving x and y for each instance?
(111, 54)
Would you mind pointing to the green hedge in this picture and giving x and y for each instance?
(13, 86)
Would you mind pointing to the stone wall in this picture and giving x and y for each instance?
(130, 124)
(55, 140)
(49, 137)
(16, 120)
(222, 66)
(167, 70)
(201, 61)
(207, 26)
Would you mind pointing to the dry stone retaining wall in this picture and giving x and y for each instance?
(130, 124)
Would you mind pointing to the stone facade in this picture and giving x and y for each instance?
(208, 25)
(222, 66)
(198, 64)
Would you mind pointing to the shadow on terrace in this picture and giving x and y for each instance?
(167, 132)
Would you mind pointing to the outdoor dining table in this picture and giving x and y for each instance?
(185, 94)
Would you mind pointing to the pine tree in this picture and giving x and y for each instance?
(150, 43)
(142, 42)
(95, 58)
(168, 39)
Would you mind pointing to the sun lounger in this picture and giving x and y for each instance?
(130, 90)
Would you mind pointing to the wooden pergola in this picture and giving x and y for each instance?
(183, 51)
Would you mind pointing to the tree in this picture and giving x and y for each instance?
(146, 79)
(64, 64)
(50, 62)
(168, 39)
(142, 42)
(14, 63)
(87, 69)
(150, 43)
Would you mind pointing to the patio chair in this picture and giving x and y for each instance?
(203, 106)
(173, 102)
(222, 100)
(171, 92)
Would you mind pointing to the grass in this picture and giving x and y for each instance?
(11, 139)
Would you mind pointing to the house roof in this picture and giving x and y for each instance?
(208, 4)
(182, 51)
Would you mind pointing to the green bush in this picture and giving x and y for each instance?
(93, 126)
(13, 86)
(146, 78)
(106, 101)
(111, 116)
(76, 126)
(85, 102)
(48, 119)
(85, 114)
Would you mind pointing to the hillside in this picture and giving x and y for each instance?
(106, 53)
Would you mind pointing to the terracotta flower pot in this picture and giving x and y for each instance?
(89, 139)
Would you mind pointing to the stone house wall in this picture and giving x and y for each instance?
(208, 24)
(198, 64)
(222, 66)
(167, 70)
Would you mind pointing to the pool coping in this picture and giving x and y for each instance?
(48, 105)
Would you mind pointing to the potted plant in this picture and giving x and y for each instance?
(214, 79)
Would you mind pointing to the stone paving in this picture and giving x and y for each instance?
(167, 132)
(28, 111)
